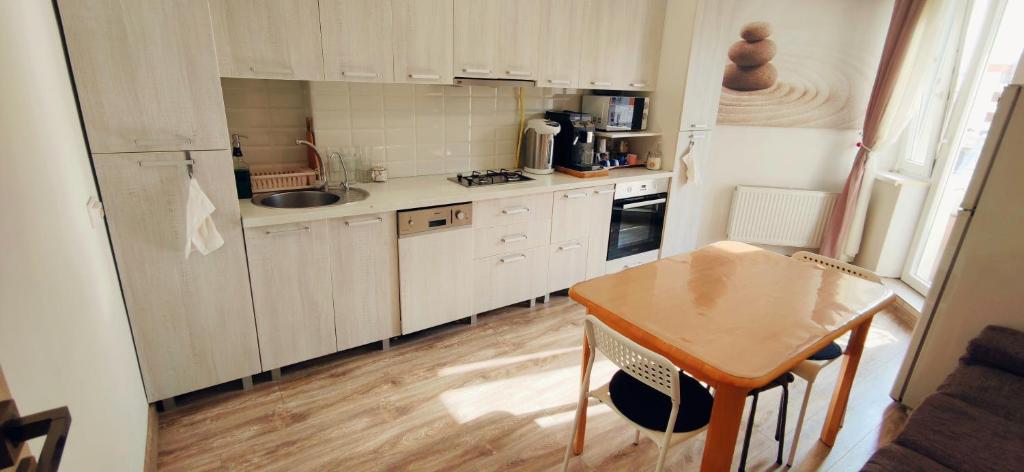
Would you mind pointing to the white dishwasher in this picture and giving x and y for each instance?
(435, 258)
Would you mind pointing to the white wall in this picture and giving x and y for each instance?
(64, 335)
(800, 158)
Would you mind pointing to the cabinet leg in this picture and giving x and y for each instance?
(533, 303)
(472, 320)
(275, 374)
(168, 404)
(385, 344)
(246, 382)
(547, 298)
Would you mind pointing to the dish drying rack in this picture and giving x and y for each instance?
(276, 177)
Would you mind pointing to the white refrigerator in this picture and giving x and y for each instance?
(979, 280)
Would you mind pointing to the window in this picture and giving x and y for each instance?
(985, 64)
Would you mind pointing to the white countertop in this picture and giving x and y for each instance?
(429, 190)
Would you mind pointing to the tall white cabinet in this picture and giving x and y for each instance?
(146, 71)
(191, 318)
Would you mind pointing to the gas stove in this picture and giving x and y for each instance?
(490, 177)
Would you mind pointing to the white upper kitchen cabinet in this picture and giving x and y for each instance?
(268, 39)
(357, 40)
(291, 291)
(191, 318)
(146, 74)
(643, 22)
(602, 44)
(423, 31)
(707, 64)
(560, 44)
(364, 274)
(497, 38)
(622, 44)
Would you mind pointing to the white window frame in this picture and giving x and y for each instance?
(949, 140)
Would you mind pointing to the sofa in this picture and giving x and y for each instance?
(974, 421)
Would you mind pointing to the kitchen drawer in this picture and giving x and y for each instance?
(512, 237)
(509, 278)
(502, 211)
(567, 264)
(623, 263)
(570, 214)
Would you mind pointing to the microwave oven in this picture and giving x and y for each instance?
(617, 113)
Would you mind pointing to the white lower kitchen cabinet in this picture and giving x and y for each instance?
(291, 288)
(567, 264)
(364, 275)
(570, 215)
(510, 278)
(191, 318)
(599, 213)
(435, 277)
(629, 262)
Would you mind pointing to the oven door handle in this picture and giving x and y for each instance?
(643, 204)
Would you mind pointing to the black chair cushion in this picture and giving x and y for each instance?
(650, 408)
(827, 353)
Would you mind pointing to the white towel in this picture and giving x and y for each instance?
(689, 169)
(200, 232)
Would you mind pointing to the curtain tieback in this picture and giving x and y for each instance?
(862, 145)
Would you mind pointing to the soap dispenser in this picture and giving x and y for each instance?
(243, 177)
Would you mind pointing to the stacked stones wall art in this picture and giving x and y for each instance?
(802, 63)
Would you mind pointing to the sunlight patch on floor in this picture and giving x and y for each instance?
(502, 361)
(566, 417)
(547, 390)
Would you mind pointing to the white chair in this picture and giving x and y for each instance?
(657, 374)
(809, 369)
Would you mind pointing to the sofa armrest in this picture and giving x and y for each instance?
(999, 347)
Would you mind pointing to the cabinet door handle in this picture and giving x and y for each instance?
(514, 238)
(602, 84)
(558, 82)
(569, 247)
(519, 73)
(695, 125)
(638, 84)
(604, 192)
(271, 70)
(424, 76)
(515, 211)
(289, 230)
(515, 258)
(365, 75)
(470, 70)
(172, 141)
(365, 222)
(643, 204)
(574, 195)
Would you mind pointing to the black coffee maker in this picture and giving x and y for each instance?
(574, 143)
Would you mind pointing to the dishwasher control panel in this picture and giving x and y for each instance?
(422, 220)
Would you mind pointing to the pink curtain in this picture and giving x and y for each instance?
(905, 16)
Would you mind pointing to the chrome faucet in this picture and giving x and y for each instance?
(322, 165)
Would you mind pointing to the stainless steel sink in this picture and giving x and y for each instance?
(310, 198)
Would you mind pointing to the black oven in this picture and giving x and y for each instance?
(636, 226)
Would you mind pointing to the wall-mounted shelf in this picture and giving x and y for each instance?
(625, 134)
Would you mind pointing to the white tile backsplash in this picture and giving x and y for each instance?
(412, 129)
(427, 129)
(272, 113)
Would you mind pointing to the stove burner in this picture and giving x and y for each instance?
(490, 177)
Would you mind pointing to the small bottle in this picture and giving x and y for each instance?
(654, 157)
(243, 177)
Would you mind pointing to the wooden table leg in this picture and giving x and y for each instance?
(841, 394)
(725, 424)
(581, 428)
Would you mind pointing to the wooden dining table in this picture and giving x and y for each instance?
(736, 317)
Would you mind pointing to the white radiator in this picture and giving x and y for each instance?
(778, 216)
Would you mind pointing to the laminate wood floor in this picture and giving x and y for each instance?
(496, 396)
